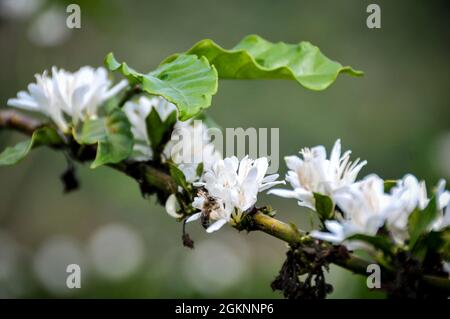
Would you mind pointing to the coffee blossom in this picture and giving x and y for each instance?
(66, 97)
(231, 188)
(189, 145)
(315, 173)
(366, 208)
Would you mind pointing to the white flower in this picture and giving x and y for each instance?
(443, 203)
(171, 206)
(215, 209)
(232, 188)
(314, 173)
(443, 220)
(364, 206)
(413, 194)
(189, 146)
(76, 95)
(137, 113)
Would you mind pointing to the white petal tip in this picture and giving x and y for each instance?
(171, 206)
(216, 226)
(193, 217)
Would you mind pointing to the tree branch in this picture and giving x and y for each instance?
(16, 121)
(148, 175)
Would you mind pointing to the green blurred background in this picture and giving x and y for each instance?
(396, 117)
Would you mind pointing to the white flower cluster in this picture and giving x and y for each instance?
(64, 94)
(447, 267)
(189, 145)
(366, 208)
(231, 188)
(317, 174)
(364, 205)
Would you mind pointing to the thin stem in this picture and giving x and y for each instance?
(156, 177)
(269, 225)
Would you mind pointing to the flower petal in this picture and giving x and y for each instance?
(193, 217)
(286, 193)
(171, 206)
(216, 226)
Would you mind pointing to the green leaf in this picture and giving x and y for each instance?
(113, 137)
(256, 58)
(178, 176)
(424, 244)
(40, 137)
(187, 81)
(159, 132)
(420, 221)
(444, 250)
(199, 169)
(324, 206)
(379, 242)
